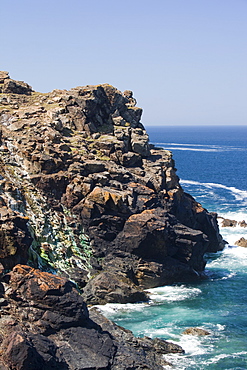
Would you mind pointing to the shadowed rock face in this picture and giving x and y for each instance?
(82, 191)
(45, 324)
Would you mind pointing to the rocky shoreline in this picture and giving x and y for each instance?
(85, 196)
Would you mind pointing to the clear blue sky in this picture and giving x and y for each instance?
(185, 60)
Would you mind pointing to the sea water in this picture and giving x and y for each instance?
(212, 166)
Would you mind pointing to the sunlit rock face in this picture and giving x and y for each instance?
(85, 195)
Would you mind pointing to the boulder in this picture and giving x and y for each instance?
(228, 223)
(3, 76)
(139, 142)
(196, 331)
(112, 286)
(53, 301)
(242, 242)
(16, 87)
(242, 223)
(131, 159)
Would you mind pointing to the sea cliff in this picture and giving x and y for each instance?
(86, 197)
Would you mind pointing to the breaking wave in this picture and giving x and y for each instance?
(199, 147)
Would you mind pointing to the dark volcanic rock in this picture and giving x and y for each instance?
(125, 358)
(46, 325)
(112, 286)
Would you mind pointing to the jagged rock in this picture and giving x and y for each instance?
(53, 301)
(93, 188)
(242, 223)
(163, 346)
(132, 160)
(139, 142)
(147, 235)
(124, 358)
(242, 242)
(15, 238)
(111, 286)
(84, 194)
(196, 331)
(228, 223)
(16, 87)
(3, 76)
(46, 325)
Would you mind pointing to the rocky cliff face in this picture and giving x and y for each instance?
(85, 195)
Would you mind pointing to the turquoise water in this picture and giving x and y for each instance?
(212, 166)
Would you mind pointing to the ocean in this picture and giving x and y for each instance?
(212, 167)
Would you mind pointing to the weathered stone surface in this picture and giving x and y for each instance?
(79, 167)
(196, 331)
(16, 87)
(242, 223)
(15, 238)
(147, 235)
(228, 223)
(3, 76)
(83, 194)
(53, 301)
(139, 142)
(111, 286)
(34, 336)
(124, 358)
(242, 242)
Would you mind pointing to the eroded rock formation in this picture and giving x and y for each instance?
(84, 195)
(87, 196)
(45, 325)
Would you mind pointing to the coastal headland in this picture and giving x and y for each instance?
(90, 213)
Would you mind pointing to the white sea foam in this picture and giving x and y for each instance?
(110, 309)
(232, 258)
(192, 149)
(172, 293)
(222, 356)
(222, 199)
(238, 216)
(193, 346)
(201, 147)
(239, 194)
(228, 276)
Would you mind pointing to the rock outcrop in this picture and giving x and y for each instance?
(84, 194)
(196, 331)
(45, 325)
(242, 242)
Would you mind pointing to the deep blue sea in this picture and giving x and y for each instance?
(212, 166)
